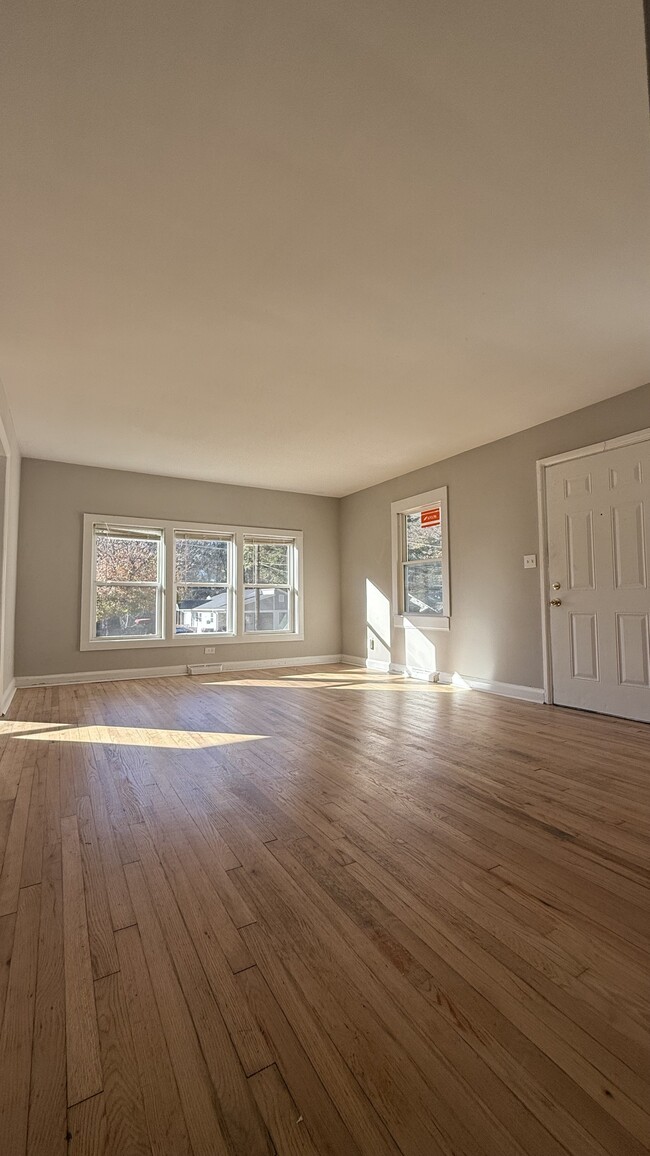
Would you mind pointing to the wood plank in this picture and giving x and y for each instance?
(162, 1106)
(202, 1054)
(13, 859)
(249, 1042)
(285, 1121)
(87, 1128)
(83, 1062)
(324, 1123)
(116, 889)
(48, 1101)
(7, 926)
(126, 1126)
(18, 1025)
(34, 836)
(103, 952)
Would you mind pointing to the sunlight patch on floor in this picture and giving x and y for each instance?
(127, 736)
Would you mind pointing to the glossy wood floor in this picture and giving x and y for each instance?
(328, 912)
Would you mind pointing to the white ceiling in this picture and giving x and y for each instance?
(311, 244)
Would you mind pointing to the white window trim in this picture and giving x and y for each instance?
(292, 588)
(411, 506)
(169, 639)
(230, 583)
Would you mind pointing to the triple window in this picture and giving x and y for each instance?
(152, 584)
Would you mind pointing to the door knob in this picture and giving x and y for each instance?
(555, 602)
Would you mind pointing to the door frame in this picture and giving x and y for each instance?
(543, 464)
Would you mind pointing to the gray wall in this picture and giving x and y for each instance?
(495, 625)
(9, 551)
(54, 497)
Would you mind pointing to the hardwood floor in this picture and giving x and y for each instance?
(321, 912)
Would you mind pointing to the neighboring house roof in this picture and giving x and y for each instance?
(220, 601)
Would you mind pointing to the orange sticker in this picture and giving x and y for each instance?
(430, 517)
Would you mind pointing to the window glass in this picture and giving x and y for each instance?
(422, 541)
(202, 609)
(128, 585)
(266, 609)
(127, 612)
(202, 565)
(266, 562)
(201, 558)
(423, 589)
(123, 556)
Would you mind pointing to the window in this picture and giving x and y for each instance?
(203, 583)
(128, 582)
(165, 584)
(269, 585)
(421, 560)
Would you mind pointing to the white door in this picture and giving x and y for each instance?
(598, 530)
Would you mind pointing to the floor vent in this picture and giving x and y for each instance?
(205, 668)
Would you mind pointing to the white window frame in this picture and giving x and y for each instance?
(292, 587)
(169, 638)
(230, 583)
(415, 505)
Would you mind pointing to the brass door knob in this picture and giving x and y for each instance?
(555, 602)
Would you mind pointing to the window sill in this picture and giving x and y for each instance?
(187, 640)
(422, 621)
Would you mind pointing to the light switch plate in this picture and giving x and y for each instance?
(530, 561)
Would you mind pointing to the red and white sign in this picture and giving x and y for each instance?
(430, 517)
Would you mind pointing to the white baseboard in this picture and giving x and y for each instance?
(27, 680)
(7, 697)
(352, 660)
(504, 689)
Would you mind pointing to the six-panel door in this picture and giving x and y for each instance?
(597, 519)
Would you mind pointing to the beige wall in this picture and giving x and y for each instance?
(54, 497)
(495, 626)
(8, 549)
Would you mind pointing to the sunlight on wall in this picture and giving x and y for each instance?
(377, 625)
(419, 650)
(129, 736)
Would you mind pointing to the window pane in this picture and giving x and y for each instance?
(201, 559)
(266, 609)
(266, 562)
(122, 556)
(201, 609)
(127, 611)
(422, 541)
(423, 589)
